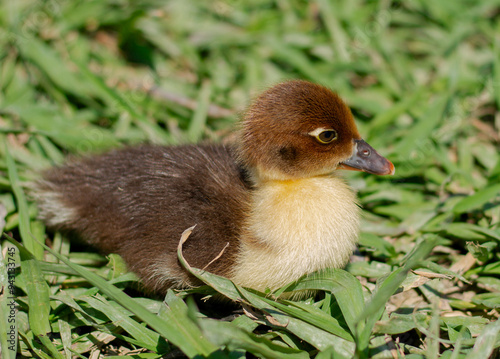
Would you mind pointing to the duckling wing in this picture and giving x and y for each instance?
(137, 202)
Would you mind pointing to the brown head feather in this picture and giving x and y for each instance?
(275, 136)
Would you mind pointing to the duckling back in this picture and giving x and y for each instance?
(137, 202)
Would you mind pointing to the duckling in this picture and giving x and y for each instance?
(273, 203)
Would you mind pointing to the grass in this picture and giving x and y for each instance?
(423, 81)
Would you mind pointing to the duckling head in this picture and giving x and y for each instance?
(298, 129)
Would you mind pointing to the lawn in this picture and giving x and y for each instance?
(423, 80)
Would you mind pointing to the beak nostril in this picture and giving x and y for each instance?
(365, 158)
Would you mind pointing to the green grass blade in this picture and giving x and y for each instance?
(49, 61)
(147, 338)
(331, 353)
(422, 129)
(8, 341)
(24, 218)
(33, 345)
(386, 117)
(38, 301)
(486, 342)
(496, 73)
(190, 343)
(38, 296)
(478, 199)
(120, 102)
(333, 24)
(375, 307)
(343, 285)
(312, 316)
(65, 332)
(234, 338)
(198, 122)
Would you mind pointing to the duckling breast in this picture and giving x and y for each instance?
(296, 227)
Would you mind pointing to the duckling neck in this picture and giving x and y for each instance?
(297, 226)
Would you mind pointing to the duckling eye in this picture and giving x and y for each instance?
(327, 136)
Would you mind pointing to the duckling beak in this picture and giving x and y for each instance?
(366, 159)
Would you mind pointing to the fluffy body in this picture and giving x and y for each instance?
(273, 201)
